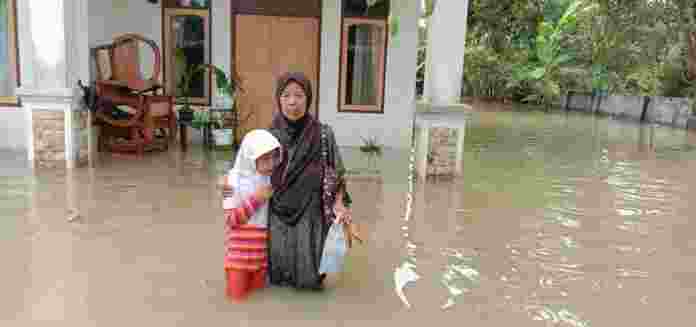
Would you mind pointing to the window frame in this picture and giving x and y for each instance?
(174, 4)
(343, 107)
(168, 58)
(13, 54)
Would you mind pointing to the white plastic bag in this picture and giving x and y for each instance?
(335, 249)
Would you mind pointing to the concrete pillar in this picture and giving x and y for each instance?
(459, 163)
(422, 150)
(443, 143)
(54, 54)
(445, 54)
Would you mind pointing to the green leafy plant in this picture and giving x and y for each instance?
(200, 119)
(371, 146)
(542, 72)
(644, 80)
(485, 72)
(227, 85)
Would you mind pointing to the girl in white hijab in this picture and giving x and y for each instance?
(245, 197)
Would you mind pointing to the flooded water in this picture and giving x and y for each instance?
(558, 220)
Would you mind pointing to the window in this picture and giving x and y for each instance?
(9, 72)
(187, 44)
(363, 52)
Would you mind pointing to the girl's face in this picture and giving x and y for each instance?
(266, 162)
(293, 102)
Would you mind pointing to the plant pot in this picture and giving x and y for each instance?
(186, 116)
(223, 137)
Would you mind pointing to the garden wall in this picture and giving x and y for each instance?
(668, 111)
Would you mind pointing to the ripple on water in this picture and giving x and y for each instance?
(461, 274)
(595, 194)
(555, 314)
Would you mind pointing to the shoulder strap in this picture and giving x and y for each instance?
(324, 146)
(326, 151)
(325, 180)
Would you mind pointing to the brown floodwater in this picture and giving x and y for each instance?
(558, 220)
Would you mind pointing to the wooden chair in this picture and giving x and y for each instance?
(119, 82)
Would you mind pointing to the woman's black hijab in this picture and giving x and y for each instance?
(300, 171)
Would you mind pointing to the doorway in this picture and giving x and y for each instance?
(264, 48)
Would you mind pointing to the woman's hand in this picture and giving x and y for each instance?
(343, 214)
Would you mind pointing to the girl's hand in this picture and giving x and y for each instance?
(232, 219)
(264, 191)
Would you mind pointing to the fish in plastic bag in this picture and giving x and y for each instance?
(335, 249)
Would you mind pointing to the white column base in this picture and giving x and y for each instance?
(461, 133)
(51, 112)
(422, 150)
(424, 146)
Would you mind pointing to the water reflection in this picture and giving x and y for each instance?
(406, 273)
(581, 211)
(460, 276)
(557, 220)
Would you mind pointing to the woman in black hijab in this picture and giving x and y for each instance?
(309, 188)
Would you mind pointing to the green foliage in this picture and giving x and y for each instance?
(200, 119)
(575, 78)
(645, 80)
(371, 146)
(229, 86)
(673, 75)
(543, 71)
(544, 47)
(486, 72)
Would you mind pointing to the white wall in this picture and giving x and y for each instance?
(110, 18)
(13, 131)
(392, 128)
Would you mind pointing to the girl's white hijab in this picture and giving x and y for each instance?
(255, 144)
(244, 178)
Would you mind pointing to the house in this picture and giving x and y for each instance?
(364, 77)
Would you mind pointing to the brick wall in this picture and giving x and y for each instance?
(443, 151)
(83, 155)
(49, 139)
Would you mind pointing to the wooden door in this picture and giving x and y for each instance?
(266, 47)
(296, 48)
(253, 62)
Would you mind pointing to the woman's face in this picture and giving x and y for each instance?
(293, 102)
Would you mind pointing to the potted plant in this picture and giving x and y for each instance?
(372, 149)
(223, 136)
(227, 87)
(200, 119)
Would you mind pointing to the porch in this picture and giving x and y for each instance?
(49, 121)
